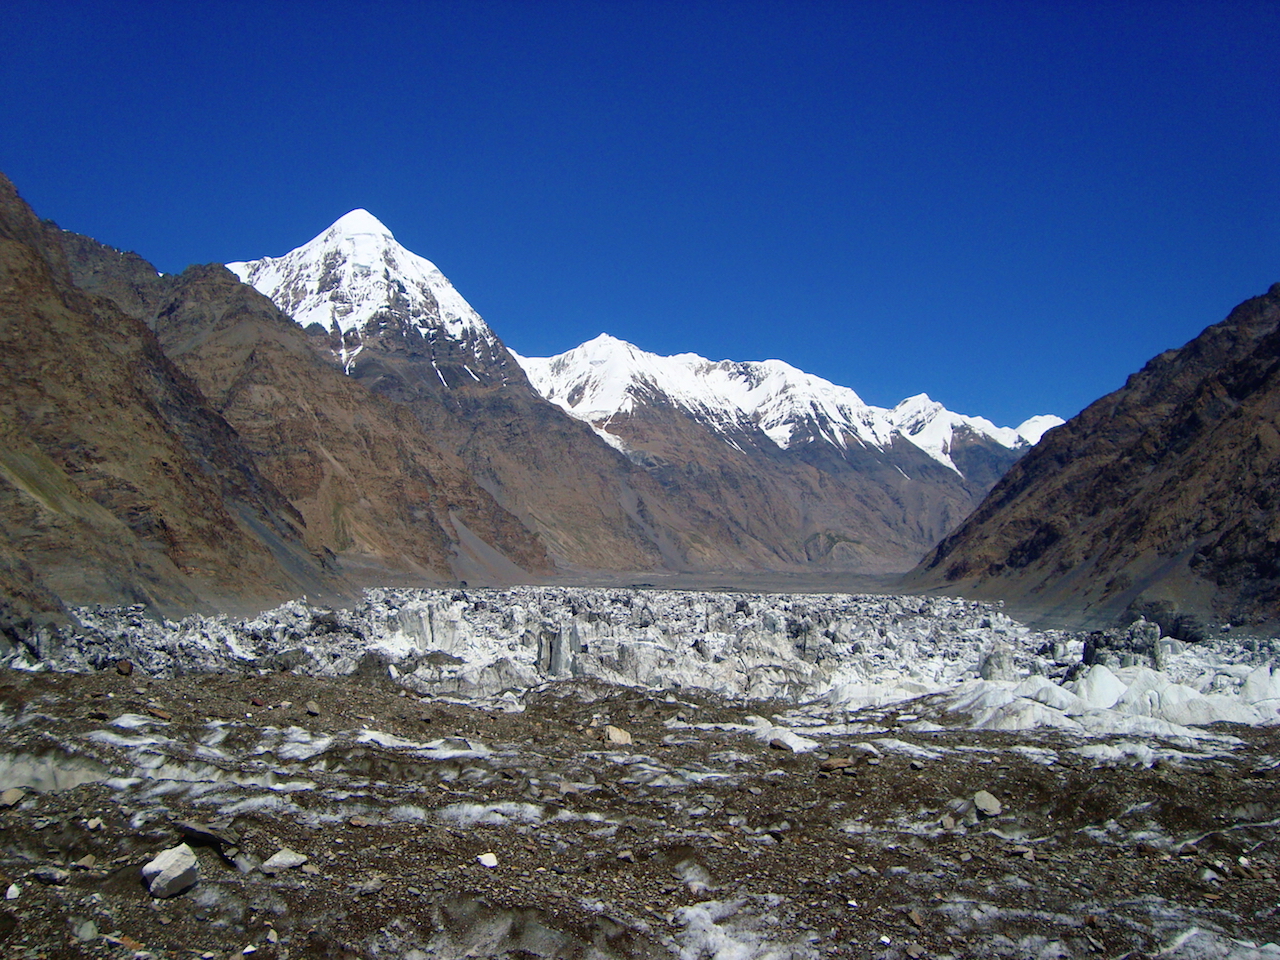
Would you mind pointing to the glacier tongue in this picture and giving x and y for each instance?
(957, 663)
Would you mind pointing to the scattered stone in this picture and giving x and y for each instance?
(367, 887)
(616, 735)
(917, 765)
(51, 876)
(172, 872)
(359, 821)
(13, 893)
(311, 869)
(488, 859)
(86, 930)
(835, 763)
(124, 667)
(160, 714)
(94, 824)
(12, 797)
(627, 856)
(987, 804)
(312, 708)
(285, 859)
(86, 862)
(948, 822)
(207, 834)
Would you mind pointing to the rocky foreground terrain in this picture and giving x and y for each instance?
(587, 773)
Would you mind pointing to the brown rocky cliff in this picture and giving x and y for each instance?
(1163, 495)
(118, 483)
(372, 486)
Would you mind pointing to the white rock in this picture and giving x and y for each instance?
(488, 859)
(987, 804)
(285, 859)
(172, 872)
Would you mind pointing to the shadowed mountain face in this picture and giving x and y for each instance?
(1163, 497)
(118, 482)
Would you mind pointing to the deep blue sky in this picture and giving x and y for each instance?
(1009, 206)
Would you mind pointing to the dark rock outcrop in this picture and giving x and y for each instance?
(1162, 498)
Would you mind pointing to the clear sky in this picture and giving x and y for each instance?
(1008, 206)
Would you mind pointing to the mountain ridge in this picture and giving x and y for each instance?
(694, 503)
(605, 377)
(118, 482)
(1161, 498)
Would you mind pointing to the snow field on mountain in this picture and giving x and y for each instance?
(606, 377)
(355, 271)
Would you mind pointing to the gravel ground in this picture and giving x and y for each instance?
(705, 835)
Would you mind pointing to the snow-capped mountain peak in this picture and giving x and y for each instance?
(359, 222)
(355, 279)
(607, 377)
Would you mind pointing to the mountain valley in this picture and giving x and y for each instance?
(331, 627)
(407, 445)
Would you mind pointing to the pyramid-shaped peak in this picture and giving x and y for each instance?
(360, 222)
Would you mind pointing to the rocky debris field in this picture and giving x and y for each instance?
(970, 789)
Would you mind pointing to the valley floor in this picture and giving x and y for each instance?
(576, 817)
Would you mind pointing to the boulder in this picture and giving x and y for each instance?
(172, 872)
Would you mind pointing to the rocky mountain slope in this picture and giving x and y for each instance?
(1162, 497)
(373, 488)
(807, 477)
(867, 486)
(117, 479)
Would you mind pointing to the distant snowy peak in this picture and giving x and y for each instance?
(607, 377)
(355, 274)
(932, 427)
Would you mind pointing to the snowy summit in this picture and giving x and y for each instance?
(607, 377)
(354, 274)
